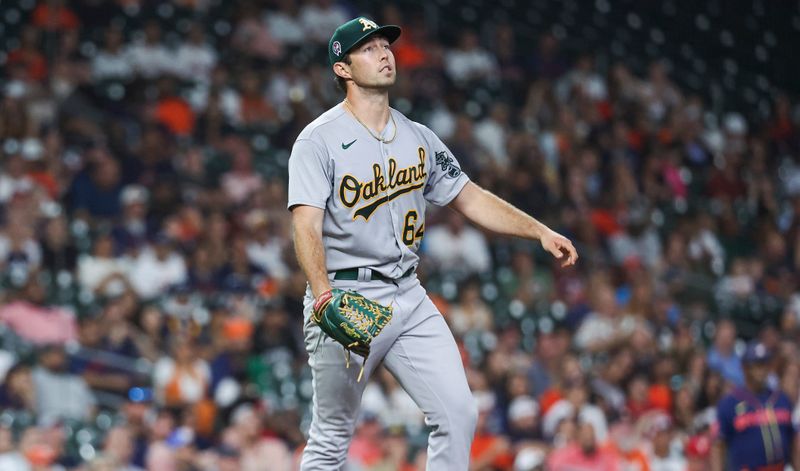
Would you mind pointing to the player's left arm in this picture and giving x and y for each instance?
(491, 212)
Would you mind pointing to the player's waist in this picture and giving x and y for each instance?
(365, 274)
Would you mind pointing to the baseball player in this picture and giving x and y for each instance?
(755, 422)
(360, 176)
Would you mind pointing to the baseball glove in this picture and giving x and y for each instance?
(350, 319)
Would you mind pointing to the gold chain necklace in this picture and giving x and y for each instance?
(385, 141)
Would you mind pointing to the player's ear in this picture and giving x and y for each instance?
(341, 69)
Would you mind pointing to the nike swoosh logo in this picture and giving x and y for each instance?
(346, 146)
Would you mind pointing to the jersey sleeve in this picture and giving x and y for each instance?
(725, 414)
(310, 175)
(445, 178)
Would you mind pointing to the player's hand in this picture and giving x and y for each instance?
(560, 247)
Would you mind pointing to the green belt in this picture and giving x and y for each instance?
(352, 274)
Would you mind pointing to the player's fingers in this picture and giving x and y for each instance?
(565, 247)
(555, 250)
(573, 255)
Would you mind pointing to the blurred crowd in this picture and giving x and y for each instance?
(150, 302)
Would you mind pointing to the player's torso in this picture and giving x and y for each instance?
(762, 427)
(376, 211)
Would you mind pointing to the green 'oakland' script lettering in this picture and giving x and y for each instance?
(403, 180)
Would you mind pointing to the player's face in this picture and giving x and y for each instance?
(757, 373)
(372, 64)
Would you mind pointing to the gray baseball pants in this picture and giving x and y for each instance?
(418, 348)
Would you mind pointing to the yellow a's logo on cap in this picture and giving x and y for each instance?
(367, 24)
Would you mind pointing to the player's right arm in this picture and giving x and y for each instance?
(724, 426)
(310, 186)
(307, 237)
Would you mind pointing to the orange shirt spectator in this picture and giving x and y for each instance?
(256, 109)
(176, 115)
(494, 448)
(53, 15)
(33, 62)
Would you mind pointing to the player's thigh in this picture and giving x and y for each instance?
(426, 362)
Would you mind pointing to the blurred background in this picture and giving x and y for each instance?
(150, 300)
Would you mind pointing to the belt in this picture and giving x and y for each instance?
(352, 274)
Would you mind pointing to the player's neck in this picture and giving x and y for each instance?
(371, 108)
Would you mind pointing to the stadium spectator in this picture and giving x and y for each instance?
(751, 407)
(148, 56)
(32, 319)
(59, 393)
(457, 248)
(112, 62)
(584, 452)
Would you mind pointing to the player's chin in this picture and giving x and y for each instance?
(383, 83)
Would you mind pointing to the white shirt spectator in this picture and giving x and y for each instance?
(229, 101)
(150, 60)
(442, 121)
(238, 186)
(192, 384)
(598, 329)
(284, 27)
(194, 61)
(588, 413)
(13, 460)
(320, 20)
(61, 395)
(492, 137)
(394, 408)
(588, 82)
(469, 61)
(268, 256)
(9, 186)
(151, 276)
(283, 85)
(93, 270)
(29, 247)
(645, 248)
(112, 65)
(464, 251)
(468, 65)
(671, 462)
(112, 61)
(705, 244)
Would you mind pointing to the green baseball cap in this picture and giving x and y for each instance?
(355, 31)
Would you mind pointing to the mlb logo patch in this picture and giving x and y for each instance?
(337, 48)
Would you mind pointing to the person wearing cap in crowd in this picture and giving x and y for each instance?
(133, 228)
(662, 455)
(755, 422)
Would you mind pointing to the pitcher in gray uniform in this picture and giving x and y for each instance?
(360, 176)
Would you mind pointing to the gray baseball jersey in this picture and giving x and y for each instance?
(374, 193)
(374, 196)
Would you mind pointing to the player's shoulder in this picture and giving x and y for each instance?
(325, 124)
(783, 399)
(728, 402)
(403, 120)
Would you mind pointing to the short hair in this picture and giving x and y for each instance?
(341, 83)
